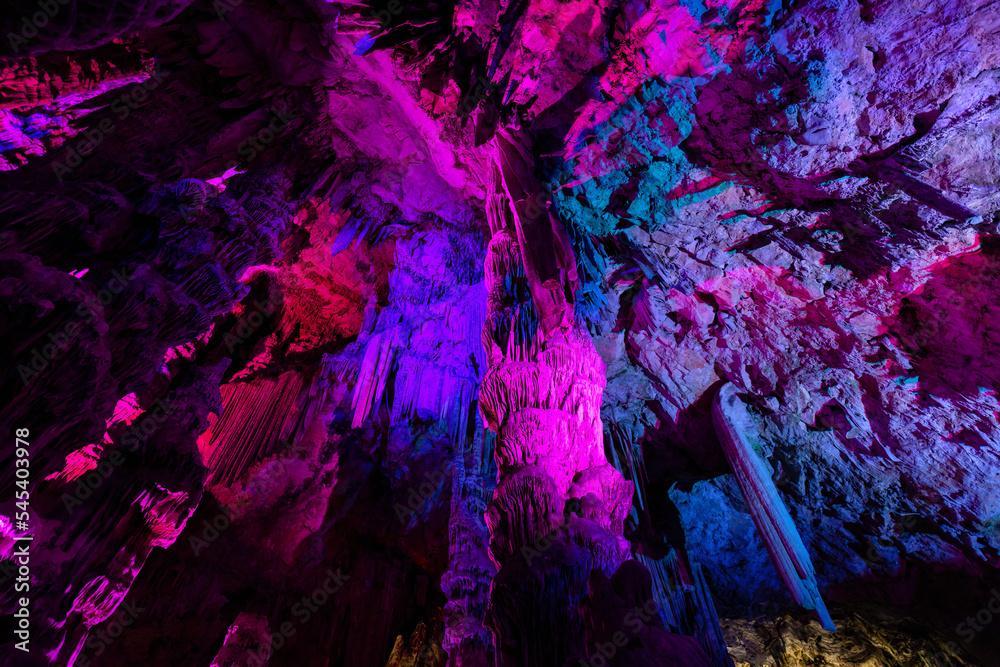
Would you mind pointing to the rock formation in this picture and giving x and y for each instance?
(531, 333)
(776, 527)
(558, 507)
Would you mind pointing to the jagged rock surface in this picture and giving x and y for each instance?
(327, 328)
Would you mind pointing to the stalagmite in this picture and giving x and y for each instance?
(769, 514)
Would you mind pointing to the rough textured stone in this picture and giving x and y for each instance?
(393, 330)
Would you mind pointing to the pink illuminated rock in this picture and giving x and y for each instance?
(542, 398)
(439, 296)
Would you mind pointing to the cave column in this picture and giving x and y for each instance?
(558, 507)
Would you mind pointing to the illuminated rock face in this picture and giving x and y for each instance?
(354, 335)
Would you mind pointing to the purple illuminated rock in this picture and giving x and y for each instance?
(440, 294)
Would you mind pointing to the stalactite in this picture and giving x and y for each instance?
(774, 523)
(256, 417)
(709, 632)
(133, 513)
(396, 364)
(631, 454)
(211, 287)
(683, 597)
(686, 605)
(624, 605)
(546, 255)
(372, 376)
(418, 387)
(846, 147)
(423, 388)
